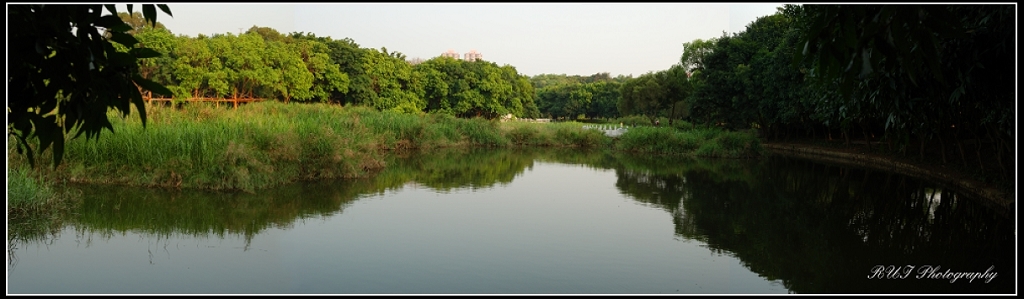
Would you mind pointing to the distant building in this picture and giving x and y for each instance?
(473, 55)
(451, 53)
(415, 61)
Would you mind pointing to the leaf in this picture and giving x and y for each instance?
(23, 147)
(123, 38)
(865, 64)
(149, 13)
(121, 28)
(109, 21)
(111, 8)
(58, 146)
(121, 59)
(165, 9)
(130, 11)
(44, 126)
(105, 123)
(144, 53)
(152, 86)
(141, 106)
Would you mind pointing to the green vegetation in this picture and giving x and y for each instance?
(35, 206)
(272, 143)
(571, 97)
(710, 142)
(64, 75)
(925, 78)
(263, 63)
(932, 80)
(927, 82)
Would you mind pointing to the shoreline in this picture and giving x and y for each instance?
(987, 193)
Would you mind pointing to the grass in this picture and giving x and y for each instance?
(37, 207)
(267, 144)
(702, 142)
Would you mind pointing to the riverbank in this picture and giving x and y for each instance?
(266, 144)
(1002, 199)
(37, 205)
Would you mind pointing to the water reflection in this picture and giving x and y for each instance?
(813, 227)
(821, 228)
(445, 170)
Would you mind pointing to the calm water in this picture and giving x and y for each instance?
(532, 222)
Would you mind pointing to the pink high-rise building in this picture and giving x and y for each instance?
(451, 53)
(472, 56)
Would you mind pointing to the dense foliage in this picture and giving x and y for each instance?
(263, 63)
(68, 65)
(935, 79)
(570, 97)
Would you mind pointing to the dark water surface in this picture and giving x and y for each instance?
(540, 221)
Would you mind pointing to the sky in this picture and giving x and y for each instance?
(535, 38)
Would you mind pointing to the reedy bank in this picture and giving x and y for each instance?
(267, 144)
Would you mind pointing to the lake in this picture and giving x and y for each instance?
(533, 221)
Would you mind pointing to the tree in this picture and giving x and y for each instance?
(644, 95)
(918, 70)
(606, 96)
(677, 89)
(294, 79)
(694, 53)
(138, 22)
(328, 77)
(350, 84)
(64, 75)
(391, 81)
(158, 68)
(269, 34)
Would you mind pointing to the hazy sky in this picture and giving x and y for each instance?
(536, 38)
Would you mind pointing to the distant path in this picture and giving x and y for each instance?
(860, 157)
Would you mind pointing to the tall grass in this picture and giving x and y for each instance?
(562, 134)
(266, 144)
(36, 206)
(708, 142)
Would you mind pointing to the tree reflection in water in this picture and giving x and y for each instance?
(815, 227)
(821, 228)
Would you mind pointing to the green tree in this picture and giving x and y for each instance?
(138, 22)
(327, 76)
(521, 102)
(721, 95)
(677, 86)
(694, 53)
(193, 65)
(269, 34)
(348, 56)
(916, 70)
(291, 78)
(63, 74)
(157, 69)
(644, 95)
(605, 98)
(392, 82)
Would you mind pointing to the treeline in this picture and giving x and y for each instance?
(263, 63)
(600, 96)
(935, 80)
(924, 80)
(570, 97)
